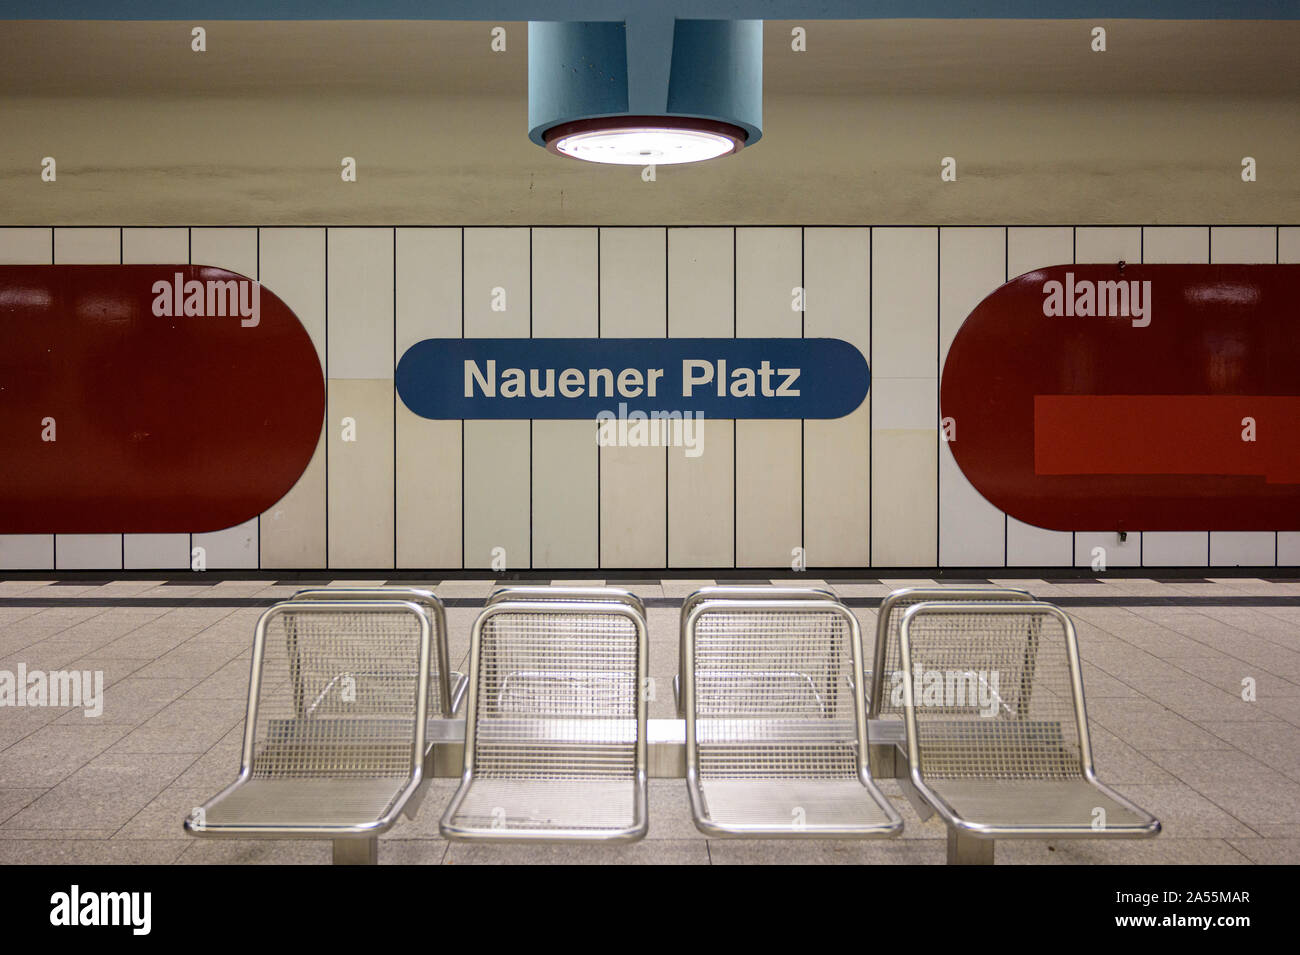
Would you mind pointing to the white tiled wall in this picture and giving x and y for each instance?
(30, 551)
(905, 397)
(877, 488)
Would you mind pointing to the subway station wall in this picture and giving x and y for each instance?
(877, 488)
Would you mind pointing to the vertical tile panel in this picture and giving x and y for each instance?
(497, 458)
(837, 452)
(293, 530)
(360, 355)
(1175, 244)
(633, 481)
(701, 488)
(236, 250)
(1288, 542)
(1092, 245)
(1028, 249)
(149, 247)
(565, 482)
(1250, 244)
(87, 247)
(26, 551)
(905, 406)
(769, 466)
(428, 452)
(972, 263)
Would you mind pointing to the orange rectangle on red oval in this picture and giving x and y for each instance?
(1168, 434)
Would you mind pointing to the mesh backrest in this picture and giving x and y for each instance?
(556, 695)
(774, 693)
(994, 694)
(568, 595)
(337, 694)
(437, 622)
(886, 699)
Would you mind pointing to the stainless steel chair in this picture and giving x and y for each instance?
(335, 729)
(595, 594)
(776, 730)
(736, 592)
(997, 731)
(885, 696)
(556, 729)
(446, 685)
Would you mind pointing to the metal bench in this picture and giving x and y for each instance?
(585, 594)
(739, 592)
(555, 734)
(447, 685)
(334, 735)
(776, 730)
(997, 732)
(884, 678)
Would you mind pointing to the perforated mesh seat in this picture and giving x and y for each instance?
(885, 693)
(334, 733)
(555, 737)
(775, 728)
(997, 731)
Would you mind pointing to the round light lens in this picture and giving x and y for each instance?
(644, 145)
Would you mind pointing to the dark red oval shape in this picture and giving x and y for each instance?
(162, 423)
(1129, 421)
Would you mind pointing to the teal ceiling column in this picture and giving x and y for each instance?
(648, 90)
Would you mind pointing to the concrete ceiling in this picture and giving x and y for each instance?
(844, 58)
(251, 132)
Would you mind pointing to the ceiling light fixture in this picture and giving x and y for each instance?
(654, 90)
(645, 140)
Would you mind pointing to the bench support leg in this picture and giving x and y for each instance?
(964, 849)
(881, 757)
(923, 808)
(356, 851)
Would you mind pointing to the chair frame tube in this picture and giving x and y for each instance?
(532, 592)
(368, 829)
(831, 606)
(940, 594)
(640, 811)
(979, 830)
(733, 592)
(448, 694)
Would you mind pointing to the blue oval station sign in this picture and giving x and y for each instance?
(574, 378)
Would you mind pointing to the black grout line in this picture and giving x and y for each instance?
(1006, 277)
(531, 460)
(121, 260)
(257, 234)
(326, 561)
(396, 522)
(599, 305)
(1074, 258)
(462, 420)
(189, 260)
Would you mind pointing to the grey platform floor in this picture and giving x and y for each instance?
(1163, 681)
